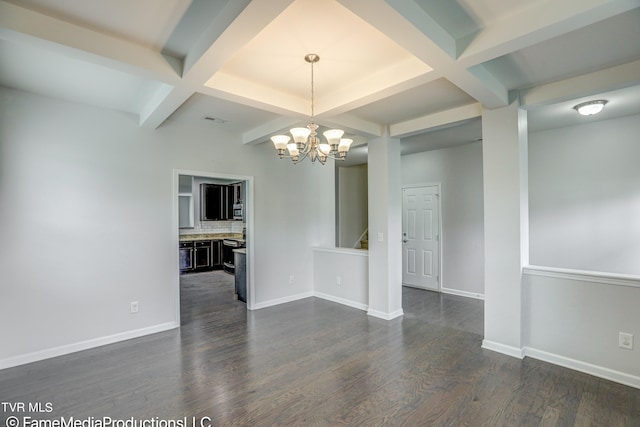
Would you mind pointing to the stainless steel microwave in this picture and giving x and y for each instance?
(238, 211)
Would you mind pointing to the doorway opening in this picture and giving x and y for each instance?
(213, 211)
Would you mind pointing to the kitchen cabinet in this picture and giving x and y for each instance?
(200, 255)
(228, 200)
(217, 200)
(237, 193)
(212, 202)
(216, 254)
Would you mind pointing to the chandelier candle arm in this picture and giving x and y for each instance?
(305, 140)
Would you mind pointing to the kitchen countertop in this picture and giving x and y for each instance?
(210, 236)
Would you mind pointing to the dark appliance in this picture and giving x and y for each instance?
(238, 211)
(228, 259)
(241, 275)
(186, 256)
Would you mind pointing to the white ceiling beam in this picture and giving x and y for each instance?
(249, 102)
(163, 104)
(352, 124)
(400, 28)
(247, 24)
(220, 22)
(426, 24)
(613, 78)
(26, 26)
(537, 24)
(235, 25)
(168, 99)
(478, 83)
(342, 100)
(274, 127)
(383, 93)
(260, 94)
(430, 121)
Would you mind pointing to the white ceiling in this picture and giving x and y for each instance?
(423, 69)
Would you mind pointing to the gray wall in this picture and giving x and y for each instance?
(584, 192)
(584, 189)
(352, 204)
(459, 170)
(88, 220)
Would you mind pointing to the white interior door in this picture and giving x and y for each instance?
(420, 236)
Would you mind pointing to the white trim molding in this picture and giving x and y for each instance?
(342, 301)
(279, 301)
(462, 293)
(383, 315)
(504, 349)
(583, 275)
(350, 251)
(36, 356)
(587, 368)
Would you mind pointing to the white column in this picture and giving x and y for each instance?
(506, 219)
(385, 228)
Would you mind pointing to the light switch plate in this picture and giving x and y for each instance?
(380, 236)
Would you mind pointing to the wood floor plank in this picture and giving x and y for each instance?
(314, 362)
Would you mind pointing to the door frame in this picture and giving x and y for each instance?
(438, 186)
(249, 215)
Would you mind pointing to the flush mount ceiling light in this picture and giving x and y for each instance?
(590, 108)
(306, 143)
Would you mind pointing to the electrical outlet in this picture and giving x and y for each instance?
(338, 280)
(625, 340)
(291, 280)
(134, 306)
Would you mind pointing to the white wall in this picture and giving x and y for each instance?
(385, 223)
(504, 150)
(574, 321)
(352, 204)
(459, 169)
(88, 224)
(584, 190)
(349, 267)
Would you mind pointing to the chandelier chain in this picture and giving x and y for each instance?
(312, 106)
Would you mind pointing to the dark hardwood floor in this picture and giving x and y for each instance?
(314, 362)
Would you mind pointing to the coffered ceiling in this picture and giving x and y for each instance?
(423, 69)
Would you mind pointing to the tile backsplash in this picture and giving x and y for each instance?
(214, 227)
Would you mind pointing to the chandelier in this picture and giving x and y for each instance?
(306, 143)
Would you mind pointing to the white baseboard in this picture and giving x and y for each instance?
(462, 293)
(342, 301)
(284, 300)
(23, 359)
(504, 349)
(384, 315)
(587, 368)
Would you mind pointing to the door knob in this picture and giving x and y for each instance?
(404, 240)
